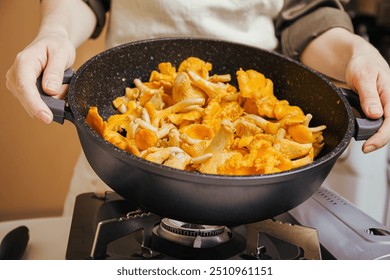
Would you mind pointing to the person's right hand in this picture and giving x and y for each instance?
(50, 55)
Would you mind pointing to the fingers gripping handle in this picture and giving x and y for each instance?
(364, 127)
(57, 106)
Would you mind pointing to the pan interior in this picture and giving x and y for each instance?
(104, 77)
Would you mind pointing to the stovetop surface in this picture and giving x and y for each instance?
(143, 243)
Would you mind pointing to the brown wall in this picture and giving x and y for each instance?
(36, 160)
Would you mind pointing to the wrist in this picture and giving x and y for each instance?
(331, 52)
(73, 20)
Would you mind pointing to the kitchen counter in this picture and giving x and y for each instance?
(48, 236)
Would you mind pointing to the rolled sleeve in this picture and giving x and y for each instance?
(302, 21)
(99, 8)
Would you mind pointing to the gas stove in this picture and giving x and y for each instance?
(326, 226)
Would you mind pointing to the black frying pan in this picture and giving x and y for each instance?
(204, 198)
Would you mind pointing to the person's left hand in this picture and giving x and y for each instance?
(353, 60)
(369, 74)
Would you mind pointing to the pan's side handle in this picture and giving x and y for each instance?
(58, 107)
(364, 127)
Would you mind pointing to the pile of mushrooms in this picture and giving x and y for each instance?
(186, 118)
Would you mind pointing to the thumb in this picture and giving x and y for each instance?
(53, 74)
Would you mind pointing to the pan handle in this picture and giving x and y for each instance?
(364, 127)
(59, 107)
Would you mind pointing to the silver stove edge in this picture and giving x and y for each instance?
(344, 230)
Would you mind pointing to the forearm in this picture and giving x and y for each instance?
(331, 52)
(72, 19)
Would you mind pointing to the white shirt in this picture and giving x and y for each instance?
(249, 22)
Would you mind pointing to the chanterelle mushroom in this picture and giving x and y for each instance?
(157, 115)
(182, 88)
(217, 148)
(215, 91)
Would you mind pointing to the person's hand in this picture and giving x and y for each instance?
(351, 59)
(50, 54)
(369, 74)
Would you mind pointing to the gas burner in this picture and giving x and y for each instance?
(325, 226)
(192, 235)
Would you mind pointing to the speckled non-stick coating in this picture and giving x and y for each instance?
(203, 198)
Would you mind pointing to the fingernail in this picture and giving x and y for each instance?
(375, 109)
(369, 149)
(52, 86)
(45, 117)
